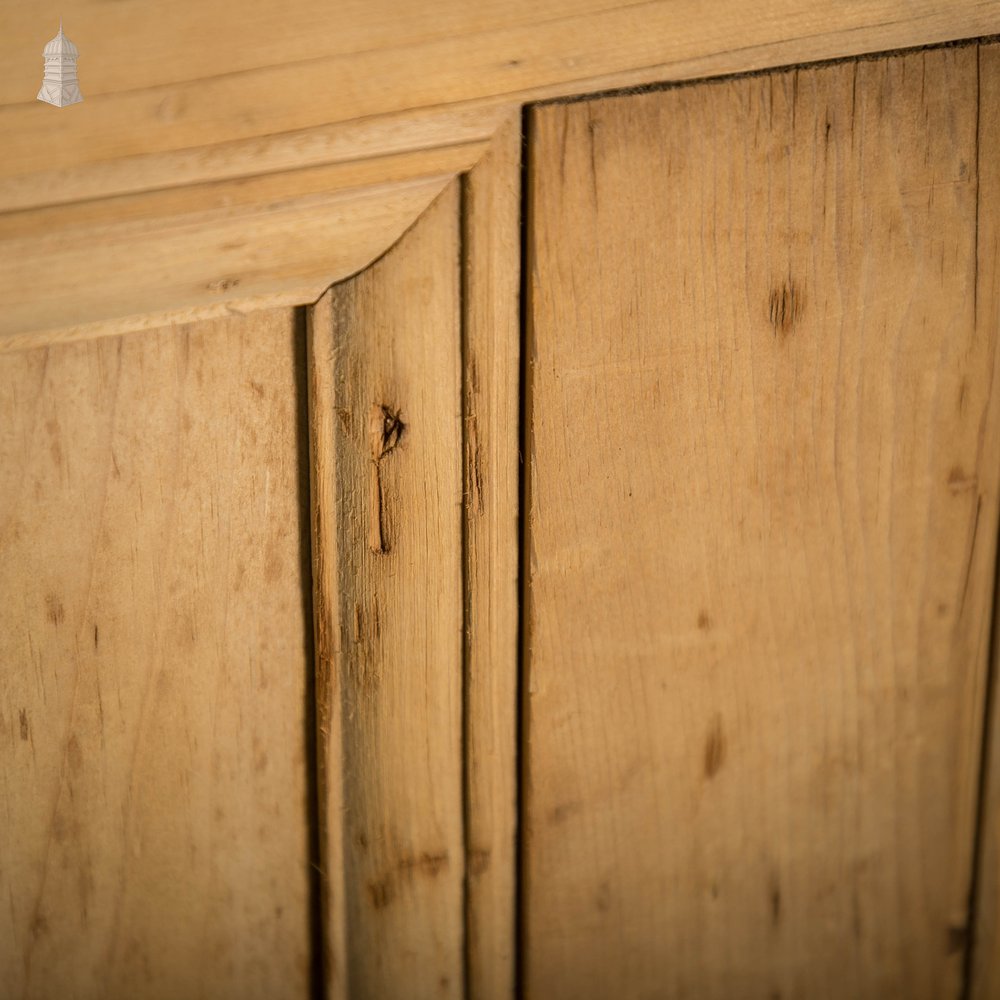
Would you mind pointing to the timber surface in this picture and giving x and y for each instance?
(385, 407)
(153, 666)
(165, 77)
(180, 96)
(491, 412)
(763, 449)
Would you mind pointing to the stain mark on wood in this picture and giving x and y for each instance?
(715, 748)
(774, 896)
(602, 897)
(959, 481)
(385, 889)
(426, 863)
(74, 755)
(479, 860)
(54, 610)
(561, 812)
(382, 893)
(957, 939)
(784, 307)
(25, 728)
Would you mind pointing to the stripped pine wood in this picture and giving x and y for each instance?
(159, 80)
(211, 249)
(216, 93)
(763, 439)
(385, 362)
(153, 665)
(369, 150)
(293, 292)
(491, 392)
(985, 965)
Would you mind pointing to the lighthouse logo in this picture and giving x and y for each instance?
(60, 86)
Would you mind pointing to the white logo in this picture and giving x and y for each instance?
(60, 85)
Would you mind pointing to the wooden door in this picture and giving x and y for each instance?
(622, 630)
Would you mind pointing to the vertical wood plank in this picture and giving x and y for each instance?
(491, 392)
(986, 933)
(153, 659)
(329, 688)
(386, 362)
(763, 510)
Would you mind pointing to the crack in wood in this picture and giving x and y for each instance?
(386, 431)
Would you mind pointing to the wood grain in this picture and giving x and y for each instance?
(385, 410)
(72, 273)
(368, 150)
(178, 95)
(153, 662)
(491, 241)
(158, 79)
(763, 513)
(986, 933)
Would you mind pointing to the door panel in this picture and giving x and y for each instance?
(761, 526)
(385, 424)
(153, 665)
